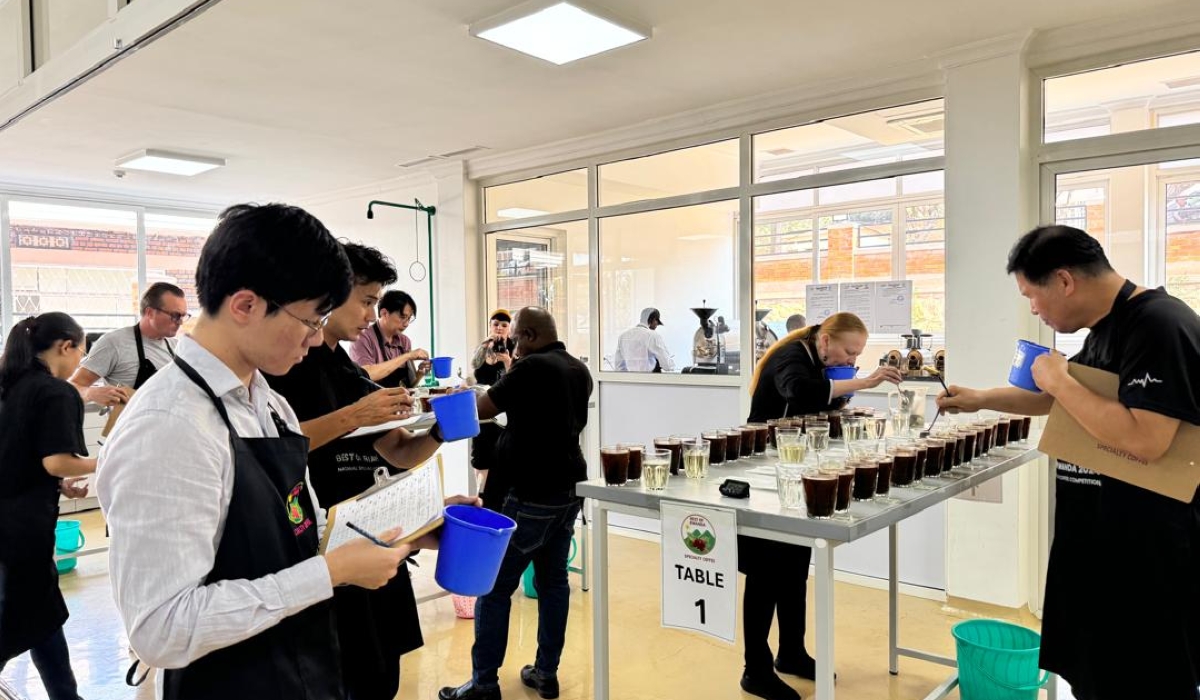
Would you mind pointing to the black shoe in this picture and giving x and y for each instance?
(546, 686)
(768, 685)
(469, 691)
(804, 666)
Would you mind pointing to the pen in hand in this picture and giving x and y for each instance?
(368, 535)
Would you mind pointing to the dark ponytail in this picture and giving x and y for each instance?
(30, 338)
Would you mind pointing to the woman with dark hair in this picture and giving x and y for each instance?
(41, 440)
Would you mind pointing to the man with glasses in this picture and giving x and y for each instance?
(127, 357)
(383, 349)
(204, 481)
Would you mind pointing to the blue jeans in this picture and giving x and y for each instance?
(543, 536)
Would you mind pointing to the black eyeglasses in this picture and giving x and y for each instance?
(173, 315)
(314, 327)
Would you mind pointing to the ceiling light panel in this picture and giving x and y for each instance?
(560, 32)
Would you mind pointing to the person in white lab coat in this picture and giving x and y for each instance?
(641, 349)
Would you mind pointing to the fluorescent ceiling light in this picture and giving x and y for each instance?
(158, 161)
(519, 213)
(559, 32)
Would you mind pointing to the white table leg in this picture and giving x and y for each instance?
(823, 553)
(600, 603)
(584, 539)
(893, 599)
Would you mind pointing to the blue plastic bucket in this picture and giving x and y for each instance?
(1021, 375)
(68, 538)
(442, 367)
(472, 546)
(456, 414)
(527, 579)
(997, 661)
(836, 373)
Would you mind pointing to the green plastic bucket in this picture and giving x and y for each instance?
(527, 582)
(997, 661)
(68, 539)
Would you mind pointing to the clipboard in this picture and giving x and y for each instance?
(1175, 475)
(114, 413)
(414, 499)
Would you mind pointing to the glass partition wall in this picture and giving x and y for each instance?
(722, 237)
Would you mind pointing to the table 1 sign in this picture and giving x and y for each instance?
(699, 560)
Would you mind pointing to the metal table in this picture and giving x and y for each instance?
(762, 516)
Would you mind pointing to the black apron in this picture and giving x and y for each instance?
(270, 526)
(146, 369)
(399, 378)
(1122, 593)
(374, 627)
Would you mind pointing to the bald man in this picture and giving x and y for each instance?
(538, 462)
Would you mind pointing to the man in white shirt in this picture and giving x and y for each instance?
(204, 485)
(641, 349)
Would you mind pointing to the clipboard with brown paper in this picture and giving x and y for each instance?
(1175, 475)
(413, 500)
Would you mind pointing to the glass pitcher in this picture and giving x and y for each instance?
(909, 403)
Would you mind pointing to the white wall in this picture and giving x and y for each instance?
(392, 232)
(13, 43)
(989, 203)
(58, 24)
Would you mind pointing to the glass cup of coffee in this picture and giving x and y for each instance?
(614, 459)
(635, 460)
(820, 493)
(695, 458)
(904, 460)
(675, 447)
(733, 444)
(883, 487)
(749, 438)
(788, 479)
(716, 447)
(656, 469)
(762, 435)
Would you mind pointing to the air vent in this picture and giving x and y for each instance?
(448, 155)
(1179, 83)
(921, 124)
(779, 151)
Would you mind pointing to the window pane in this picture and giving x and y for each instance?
(925, 263)
(888, 135)
(1149, 94)
(852, 244)
(1182, 223)
(673, 260)
(709, 167)
(856, 245)
(546, 267)
(80, 260)
(549, 194)
(173, 245)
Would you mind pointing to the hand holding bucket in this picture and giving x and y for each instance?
(472, 546)
(457, 415)
(1020, 374)
(443, 367)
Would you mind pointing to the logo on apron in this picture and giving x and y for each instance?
(295, 510)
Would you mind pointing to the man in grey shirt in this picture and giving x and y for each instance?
(125, 358)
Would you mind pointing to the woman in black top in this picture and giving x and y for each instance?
(790, 381)
(492, 359)
(41, 438)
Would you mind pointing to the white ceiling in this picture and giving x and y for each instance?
(304, 98)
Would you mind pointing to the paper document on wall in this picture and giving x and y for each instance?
(1176, 474)
(858, 298)
(820, 302)
(893, 307)
(413, 501)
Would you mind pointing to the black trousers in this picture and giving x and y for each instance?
(53, 663)
(776, 585)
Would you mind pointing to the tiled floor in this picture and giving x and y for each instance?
(649, 662)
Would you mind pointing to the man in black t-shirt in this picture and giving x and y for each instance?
(538, 462)
(1122, 607)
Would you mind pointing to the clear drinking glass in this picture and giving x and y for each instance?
(820, 493)
(635, 460)
(792, 445)
(614, 460)
(656, 469)
(788, 479)
(695, 458)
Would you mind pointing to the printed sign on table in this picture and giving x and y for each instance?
(699, 569)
